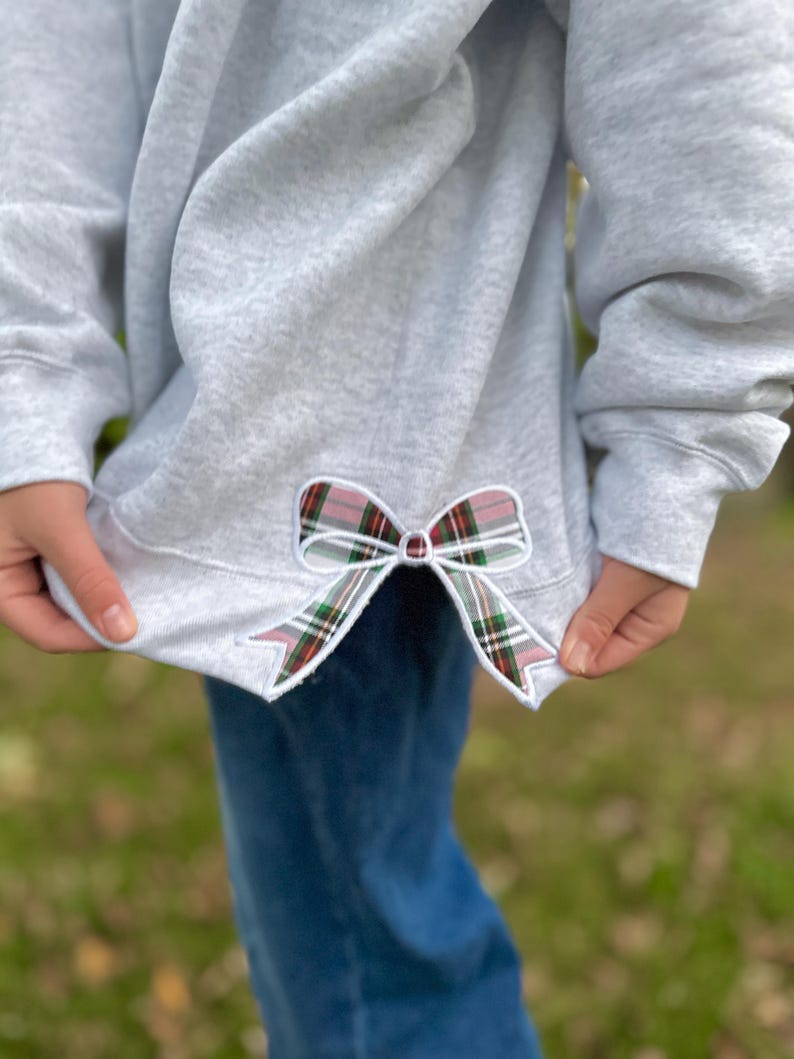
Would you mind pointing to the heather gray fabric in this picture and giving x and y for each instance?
(335, 237)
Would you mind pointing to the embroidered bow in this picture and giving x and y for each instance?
(342, 529)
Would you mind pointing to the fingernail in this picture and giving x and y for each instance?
(580, 656)
(118, 623)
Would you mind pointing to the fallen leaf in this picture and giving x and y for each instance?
(498, 874)
(774, 1010)
(19, 765)
(635, 934)
(616, 817)
(114, 814)
(94, 960)
(169, 989)
(254, 1041)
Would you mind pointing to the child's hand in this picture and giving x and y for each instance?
(628, 611)
(48, 519)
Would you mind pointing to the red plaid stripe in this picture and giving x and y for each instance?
(342, 528)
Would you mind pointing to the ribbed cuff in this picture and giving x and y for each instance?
(654, 504)
(49, 422)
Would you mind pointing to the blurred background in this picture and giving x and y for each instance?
(638, 833)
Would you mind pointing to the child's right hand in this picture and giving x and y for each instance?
(629, 611)
(48, 519)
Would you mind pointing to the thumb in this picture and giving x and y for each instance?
(620, 587)
(68, 544)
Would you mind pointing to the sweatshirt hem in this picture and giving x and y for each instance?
(177, 553)
(194, 621)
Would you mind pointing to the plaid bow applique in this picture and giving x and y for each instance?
(342, 529)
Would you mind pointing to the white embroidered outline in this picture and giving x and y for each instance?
(437, 562)
(531, 697)
(399, 525)
(248, 638)
(343, 536)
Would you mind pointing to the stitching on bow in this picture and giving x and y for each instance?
(342, 528)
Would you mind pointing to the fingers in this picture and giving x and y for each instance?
(628, 611)
(73, 551)
(56, 528)
(33, 615)
(650, 623)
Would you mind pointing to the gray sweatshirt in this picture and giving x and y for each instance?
(334, 236)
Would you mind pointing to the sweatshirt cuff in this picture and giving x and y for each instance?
(50, 419)
(654, 504)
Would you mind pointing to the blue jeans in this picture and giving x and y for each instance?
(368, 932)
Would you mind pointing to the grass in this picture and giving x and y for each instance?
(638, 833)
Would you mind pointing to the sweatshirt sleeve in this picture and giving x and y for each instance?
(70, 127)
(680, 115)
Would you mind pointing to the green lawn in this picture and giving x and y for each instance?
(638, 832)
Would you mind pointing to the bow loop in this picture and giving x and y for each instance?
(329, 551)
(342, 526)
(483, 528)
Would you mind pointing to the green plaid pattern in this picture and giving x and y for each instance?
(309, 632)
(505, 639)
(341, 528)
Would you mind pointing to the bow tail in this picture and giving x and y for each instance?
(509, 646)
(305, 639)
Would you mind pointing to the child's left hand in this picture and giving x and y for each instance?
(628, 611)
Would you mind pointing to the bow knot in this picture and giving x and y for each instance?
(344, 530)
(416, 547)
(341, 525)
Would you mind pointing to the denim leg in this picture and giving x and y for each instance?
(368, 932)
